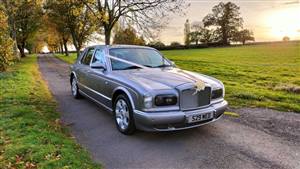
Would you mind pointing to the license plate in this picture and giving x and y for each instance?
(200, 117)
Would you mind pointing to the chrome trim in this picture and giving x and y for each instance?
(189, 127)
(194, 108)
(90, 97)
(127, 93)
(214, 101)
(100, 94)
(146, 121)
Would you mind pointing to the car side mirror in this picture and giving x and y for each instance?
(98, 65)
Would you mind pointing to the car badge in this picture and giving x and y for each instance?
(199, 86)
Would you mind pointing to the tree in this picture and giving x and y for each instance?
(195, 37)
(243, 36)
(142, 13)
(9, 8)
(128, 36)
(53, 38)
(58, 20)
(195, 32)
(28, 17)
(55, 22)
(187, 33)
(201, 34)
(6, 43)
(286, 38)
(226, 17)
(207, 35)
(73, 17)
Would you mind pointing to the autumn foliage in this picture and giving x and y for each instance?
(6, 43)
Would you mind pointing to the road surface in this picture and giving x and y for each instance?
(245, 142)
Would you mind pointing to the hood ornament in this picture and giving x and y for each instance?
(199, 86)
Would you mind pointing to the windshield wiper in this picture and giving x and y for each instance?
(132, 67)
(163, 65)
(148, 66)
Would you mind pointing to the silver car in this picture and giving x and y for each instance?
(144, 90)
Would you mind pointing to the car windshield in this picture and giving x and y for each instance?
(146, 57)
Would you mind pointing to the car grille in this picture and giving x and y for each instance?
(191, 100)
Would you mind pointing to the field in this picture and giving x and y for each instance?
(254, 76)
(31, 135)
(265, 75)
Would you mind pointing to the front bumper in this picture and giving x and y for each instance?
(175, 120)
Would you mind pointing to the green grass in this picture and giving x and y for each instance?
(31, 134)
(254, 76)
(265, 75)
(69, 59)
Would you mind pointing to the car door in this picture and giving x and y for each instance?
(97, 78)
(84, 70)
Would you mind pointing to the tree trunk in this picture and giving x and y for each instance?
(78, 52)
(61, 47)
(66, 47)
(21, 48)
(107, 32)
(76, 44)
(13, 35)
(224, 36)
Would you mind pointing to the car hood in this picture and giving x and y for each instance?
(167, 78)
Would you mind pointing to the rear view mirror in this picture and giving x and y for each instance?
(98, 65)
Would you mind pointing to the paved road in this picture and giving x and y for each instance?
(225, 144)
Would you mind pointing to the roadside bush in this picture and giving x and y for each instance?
(156, 44)
(6, 43)
(175, 44)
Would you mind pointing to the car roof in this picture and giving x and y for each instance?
(120, 46)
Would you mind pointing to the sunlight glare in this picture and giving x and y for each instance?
(284, 22)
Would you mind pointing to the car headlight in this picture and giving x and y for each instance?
(217, 93)
(147, 101)
(165, 100)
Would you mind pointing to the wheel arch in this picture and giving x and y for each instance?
(122, 90)
(73, 74)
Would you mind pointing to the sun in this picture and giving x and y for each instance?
(284, 22)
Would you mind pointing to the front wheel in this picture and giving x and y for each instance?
(74, 88)
(123, 115)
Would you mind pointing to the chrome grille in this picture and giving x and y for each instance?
(191, 100)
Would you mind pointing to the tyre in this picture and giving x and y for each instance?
(123, 115)
(74, 89)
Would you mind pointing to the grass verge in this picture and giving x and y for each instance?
(31, 135)
(69, 59)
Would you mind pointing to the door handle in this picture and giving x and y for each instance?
(106, 82)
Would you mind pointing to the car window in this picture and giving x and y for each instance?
(87, 58)
(99, 56)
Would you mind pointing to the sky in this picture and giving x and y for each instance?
(270, 20)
